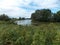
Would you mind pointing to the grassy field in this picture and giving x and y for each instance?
(43, 34)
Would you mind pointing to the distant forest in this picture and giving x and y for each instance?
(45, 15)
(4, 17)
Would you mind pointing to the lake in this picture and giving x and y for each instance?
(23, 22)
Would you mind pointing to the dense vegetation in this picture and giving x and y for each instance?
(45, 15)
(44, 34)
(4, 17)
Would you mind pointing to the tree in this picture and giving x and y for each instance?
(41, 15)
(4, 17)
(19, 18)
(58, 16)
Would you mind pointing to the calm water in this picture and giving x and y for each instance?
(24, 22)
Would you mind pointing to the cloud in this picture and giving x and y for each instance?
(24, 8)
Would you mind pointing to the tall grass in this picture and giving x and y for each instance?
(43, 34)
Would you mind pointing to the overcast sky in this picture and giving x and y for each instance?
(24, 8)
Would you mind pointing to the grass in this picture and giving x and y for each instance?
(43, 34)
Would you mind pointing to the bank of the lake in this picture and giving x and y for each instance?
(44, 34)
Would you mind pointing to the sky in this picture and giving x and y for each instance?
(24, 8)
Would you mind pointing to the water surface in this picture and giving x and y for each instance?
(24, 22)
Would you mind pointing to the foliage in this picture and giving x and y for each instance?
(21, 18)
(45, 15)
(43, 34)
(4, 17)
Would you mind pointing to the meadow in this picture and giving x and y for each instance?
(43, 34)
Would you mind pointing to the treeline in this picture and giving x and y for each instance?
(4, 17)
(8, 20)
(45, 15)
(21, 18)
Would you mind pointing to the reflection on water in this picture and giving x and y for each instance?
(24, 22)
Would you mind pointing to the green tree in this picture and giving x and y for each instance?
(4, 17)
(41, 15)
(19, 18)
(58, 16)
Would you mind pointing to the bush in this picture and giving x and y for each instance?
(4, 17)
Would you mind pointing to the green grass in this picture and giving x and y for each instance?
(43, 34)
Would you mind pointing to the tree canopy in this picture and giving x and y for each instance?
(45, 15)
(4, 17)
